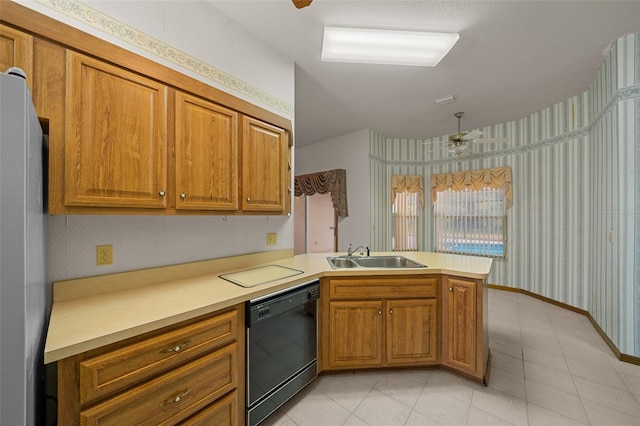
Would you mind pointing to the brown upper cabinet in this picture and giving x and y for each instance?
(116, 143)
(16, 50)
(265, 177)
(131, 136)
(206, 155)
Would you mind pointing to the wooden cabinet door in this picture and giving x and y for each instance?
(16, 50)
(412, 334)
(116, 136)
(206, 155)
(355, 333)
(264, 166)
(459, 344)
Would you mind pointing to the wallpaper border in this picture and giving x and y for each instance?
(632, 92)
(100, 21)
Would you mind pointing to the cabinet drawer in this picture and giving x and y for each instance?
(223, 412)
(383, 287)
(172, 396)
(103, 374)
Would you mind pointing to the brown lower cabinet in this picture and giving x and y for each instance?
(465, 337)
(191, 373)
(372, 322)
(413, 321)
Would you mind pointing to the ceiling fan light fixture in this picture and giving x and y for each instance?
(390, 47)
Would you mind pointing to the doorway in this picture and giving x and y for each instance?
(315, 224)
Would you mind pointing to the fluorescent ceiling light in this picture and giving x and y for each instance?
(396, 47)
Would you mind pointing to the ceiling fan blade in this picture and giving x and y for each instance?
(492, 140)
(299, 4)
(474, 134)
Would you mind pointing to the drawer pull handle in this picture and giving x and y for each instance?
(391, 311)
(176, 348)
(176, 399)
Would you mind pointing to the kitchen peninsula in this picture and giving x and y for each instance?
(105, 331)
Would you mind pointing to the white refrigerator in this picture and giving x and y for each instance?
(23, 288)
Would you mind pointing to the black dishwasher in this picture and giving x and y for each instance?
(282, 348)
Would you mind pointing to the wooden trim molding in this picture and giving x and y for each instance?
(622, 357)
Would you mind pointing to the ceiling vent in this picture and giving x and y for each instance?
(445, 100)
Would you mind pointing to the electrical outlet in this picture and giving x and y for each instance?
(104, 255)
(272, 239)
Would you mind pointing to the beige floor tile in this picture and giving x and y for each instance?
(500, 404)
(596, 371)
(539, 416)
(345, 389)
(318, 410)
(549, 377)
(478, 417)
(507, 382)
(564, 403)
(452, 385)
(600, 415)
(442, 408)
(354, 420)
(614, 398)
(547, 342)
(378, 408)
(401, 387)
(507, 363)
(506, 347)
(553, 360)
(416, 418)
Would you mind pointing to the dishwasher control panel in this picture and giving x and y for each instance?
(268, 306)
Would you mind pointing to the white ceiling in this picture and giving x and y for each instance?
(513, 58)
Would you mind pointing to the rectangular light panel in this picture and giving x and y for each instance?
(395, 47)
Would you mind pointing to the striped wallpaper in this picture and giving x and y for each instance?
(574, 228)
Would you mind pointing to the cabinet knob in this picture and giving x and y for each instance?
(379, 312)
(248, 199)
(450, 288)
(161, 193)
(390, 311)
(176, 399)
(176, 348)
(183, 195)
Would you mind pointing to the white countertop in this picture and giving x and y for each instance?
(92, 312)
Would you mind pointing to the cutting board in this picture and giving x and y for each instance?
(260, 275)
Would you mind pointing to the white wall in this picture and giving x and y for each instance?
(349, 152)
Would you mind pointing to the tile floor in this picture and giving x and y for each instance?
(549, 367)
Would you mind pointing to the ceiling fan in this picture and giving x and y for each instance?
(299, 4)
(460, 141)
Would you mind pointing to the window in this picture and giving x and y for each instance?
(471, 222)
(408, 198)
(470, 210)
(405, 222)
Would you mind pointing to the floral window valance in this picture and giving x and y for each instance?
(332, 181)
(412, 184)
(499, 177)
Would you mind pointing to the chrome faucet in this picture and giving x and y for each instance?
(350, 252)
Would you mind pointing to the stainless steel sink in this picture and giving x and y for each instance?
(388, 262)
(341, 262)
